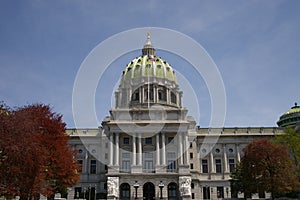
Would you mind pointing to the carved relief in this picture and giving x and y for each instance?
(113, 186)
(185, 185)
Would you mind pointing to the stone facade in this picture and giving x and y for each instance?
(148, 148)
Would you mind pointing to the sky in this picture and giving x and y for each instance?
(254, 44)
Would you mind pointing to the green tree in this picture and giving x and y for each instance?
(265, 166)
(291, 139)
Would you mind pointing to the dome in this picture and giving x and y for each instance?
(291, 117)
(148, 65)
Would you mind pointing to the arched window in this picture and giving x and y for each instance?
(125, 191)
(161, 94)
(136, 96)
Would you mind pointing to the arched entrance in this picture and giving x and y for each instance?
(148, 191)
(124, 191)
(173, 191)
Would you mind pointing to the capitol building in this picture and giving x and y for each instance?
(149, 148)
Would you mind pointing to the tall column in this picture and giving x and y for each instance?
(163, 149)
(180, 148)
(117, 150)
(225, 159)
(185, 150)
(111, 146)
(86, 160)
(157, 149)
(140, 150)
(134, 149)
(211, 156)
(238, 153)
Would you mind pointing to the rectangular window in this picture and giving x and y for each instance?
(148, 140)
(80, 162)
(149, 166)
(192, 166)
(191, 145)
(93, 167)
(204, 166)
(171, 166)
(193, 195)
(191, 155)
(218, 166)
(106, 145)
(106, 155)
(206, 193)
(126, 140)
(231, 165)
(220, 192)
(126, 165)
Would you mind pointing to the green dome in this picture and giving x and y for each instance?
(291, 117)
(149, 66)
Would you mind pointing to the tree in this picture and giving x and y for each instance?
(265, 167)
(291, 139)
(34, 151)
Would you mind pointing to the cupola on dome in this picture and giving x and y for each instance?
(149, 65)
(291, 117)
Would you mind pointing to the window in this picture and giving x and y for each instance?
(192, 166)
(191, 155)
(106, 155)
(105, 168)
(149, 166)
(220, 192)
(171, 156)
(218, 166)
(231, 165)
(193, 195)
(204, 166)
(148, 140)
(125, 162)
(126, 140)
(191, 145)
(93, 167)
(106, 145)
(125, 165)
(173, 98)
(80, 162)
(206, 193)
(80, 151)
(136, 96)
(192, 185)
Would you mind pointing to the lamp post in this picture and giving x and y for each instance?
(136, 186)
(161, 186)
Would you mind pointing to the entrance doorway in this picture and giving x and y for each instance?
(124, 191)
(148, 191)
(172, 191)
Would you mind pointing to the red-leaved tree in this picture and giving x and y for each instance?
(266, 167)
(35, 157)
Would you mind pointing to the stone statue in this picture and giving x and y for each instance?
(185, 185)
(113, 186)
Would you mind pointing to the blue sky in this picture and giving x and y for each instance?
(255, 44)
